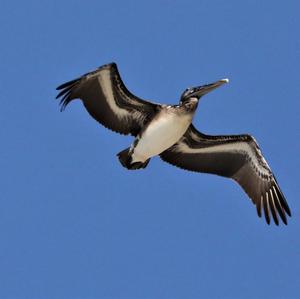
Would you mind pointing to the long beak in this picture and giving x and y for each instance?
(204, 89)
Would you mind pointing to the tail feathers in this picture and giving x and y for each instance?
(126, 160)
(125, 157)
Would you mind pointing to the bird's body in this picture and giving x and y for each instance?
(161, 133)
(168, 131)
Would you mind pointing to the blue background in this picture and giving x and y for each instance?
(73, 222)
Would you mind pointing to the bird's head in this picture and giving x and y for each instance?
(191, 96)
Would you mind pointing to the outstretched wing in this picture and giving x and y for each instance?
(107, 100)
(237, 157)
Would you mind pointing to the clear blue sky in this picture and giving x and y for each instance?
(73, 222)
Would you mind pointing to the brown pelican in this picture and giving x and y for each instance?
(167, 131)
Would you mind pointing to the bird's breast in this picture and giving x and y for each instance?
(161, 133)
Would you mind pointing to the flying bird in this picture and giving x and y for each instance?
(167, 131)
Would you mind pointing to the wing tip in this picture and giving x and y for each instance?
(66, 93)
(273, 205)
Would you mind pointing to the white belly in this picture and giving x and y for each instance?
(160, 135)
